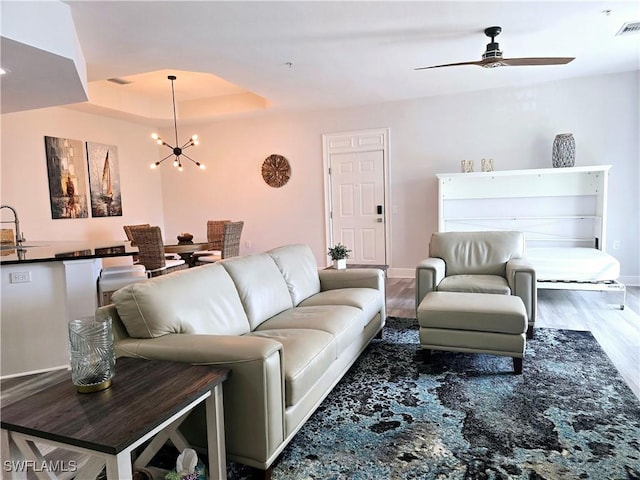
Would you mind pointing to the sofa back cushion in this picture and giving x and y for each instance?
(483, 253)
(298, 266)
(201, 300)
(260, 284)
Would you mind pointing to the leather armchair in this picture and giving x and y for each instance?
(480, 262)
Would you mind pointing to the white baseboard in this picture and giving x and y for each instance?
(33, 372)
(401, 273)
(630, 280)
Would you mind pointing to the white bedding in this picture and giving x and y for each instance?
(573, 264)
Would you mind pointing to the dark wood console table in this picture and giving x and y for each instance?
(148, 399)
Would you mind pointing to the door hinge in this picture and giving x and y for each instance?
(329, 170)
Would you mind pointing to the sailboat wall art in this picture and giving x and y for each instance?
(66, 172)
(104, 180)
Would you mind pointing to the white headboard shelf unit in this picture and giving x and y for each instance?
(552, 206)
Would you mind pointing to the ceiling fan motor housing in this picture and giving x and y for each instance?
(493, 51)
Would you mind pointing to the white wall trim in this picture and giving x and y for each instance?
(401, 273)
(630, 280)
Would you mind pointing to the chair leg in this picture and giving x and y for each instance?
(529, 332)
(425, 354)
(517, 365)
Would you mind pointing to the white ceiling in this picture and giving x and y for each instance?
(343, 53)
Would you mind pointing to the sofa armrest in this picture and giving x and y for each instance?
(429, 273)
(331, 279)
(521, 276)
(253, 394)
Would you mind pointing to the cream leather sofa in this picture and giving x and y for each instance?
(479, 262)
(287, 330)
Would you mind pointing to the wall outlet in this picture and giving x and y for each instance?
(20, 277)
(248, 244)
(616, 244)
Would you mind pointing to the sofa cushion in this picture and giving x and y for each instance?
(343, 322)
(260, 284)
(369, 300)
(475, 284)
(299, 269)
(200, 300)
(308, 354)
(476, 252)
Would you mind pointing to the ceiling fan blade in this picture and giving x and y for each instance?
(451, 65)
(515, 62)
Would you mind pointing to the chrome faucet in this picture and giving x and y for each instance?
(19, 237)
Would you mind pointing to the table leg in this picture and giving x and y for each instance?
(119, 466)
(12, 458)
(34, 457)
(215, 435)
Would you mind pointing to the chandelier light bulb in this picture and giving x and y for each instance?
(155, 136)
(179, 168)
(200, 165)
(175, 162)
(154, 165)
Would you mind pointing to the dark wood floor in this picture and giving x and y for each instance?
(617, 331)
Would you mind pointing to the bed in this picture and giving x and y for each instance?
(577, 268)
(562, 212)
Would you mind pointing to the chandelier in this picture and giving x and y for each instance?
(177, 152)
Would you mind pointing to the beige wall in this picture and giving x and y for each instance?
(514, 126)
(24, 181)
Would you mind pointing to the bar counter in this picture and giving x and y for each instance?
(42, 288)
(44, 251)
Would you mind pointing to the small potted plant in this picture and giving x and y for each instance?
(339, 254)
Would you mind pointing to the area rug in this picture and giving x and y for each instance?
(568, 416)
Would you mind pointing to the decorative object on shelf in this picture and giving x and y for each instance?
(185, 238)
(564, 150)
(487, 164)
(466, 166)
(339, 254)
(93, 359)
(177, 151)
(276, 170)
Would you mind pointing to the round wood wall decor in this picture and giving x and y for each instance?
(276, 170)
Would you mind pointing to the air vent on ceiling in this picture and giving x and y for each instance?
(119, 81)
(629, 28)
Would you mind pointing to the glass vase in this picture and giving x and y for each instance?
(93, 359)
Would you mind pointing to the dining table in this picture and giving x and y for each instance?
(186, 249)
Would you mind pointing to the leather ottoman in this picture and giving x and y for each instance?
(473, 323)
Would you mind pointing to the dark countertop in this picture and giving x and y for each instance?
(57, 251)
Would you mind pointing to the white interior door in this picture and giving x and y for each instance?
(357, 207)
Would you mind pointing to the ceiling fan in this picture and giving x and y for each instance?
(492, 57)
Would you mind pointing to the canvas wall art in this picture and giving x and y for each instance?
(67, 178)
(104, 180)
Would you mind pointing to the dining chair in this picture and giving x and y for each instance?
(230, 243)
(151, 252)
(215, 233)
(127, 231)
